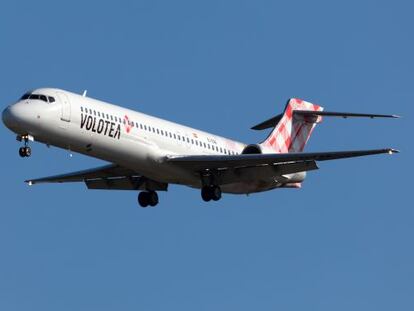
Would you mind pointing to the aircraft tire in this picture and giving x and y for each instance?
(143, 199)
(152, 198)
(22, 152)
(215, 193)
(206, 193)
(27, 151)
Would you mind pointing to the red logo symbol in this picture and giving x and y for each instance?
(128, 124)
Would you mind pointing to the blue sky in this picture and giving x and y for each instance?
(344, 241)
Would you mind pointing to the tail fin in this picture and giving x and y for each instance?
(292, 132)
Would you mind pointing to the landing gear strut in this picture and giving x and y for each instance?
(209, 193)
(146, 198)
(25, 151)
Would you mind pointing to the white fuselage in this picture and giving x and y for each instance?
(115, 134)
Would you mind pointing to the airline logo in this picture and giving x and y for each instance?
(128, 124)
(101, 126)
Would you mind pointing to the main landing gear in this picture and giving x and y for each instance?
(146, 198)
(25, 151)
(209, 193)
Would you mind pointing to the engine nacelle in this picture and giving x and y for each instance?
(252, 149)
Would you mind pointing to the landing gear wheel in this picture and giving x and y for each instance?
(146, 198)
(28, 151)
(143, 199)
(209, 193)
(22, 152)
(25, 151)
(216, 193)
(206, 193)
(152, 198)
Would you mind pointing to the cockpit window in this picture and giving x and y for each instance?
(42, 97)
(38, 96)
(25, 96)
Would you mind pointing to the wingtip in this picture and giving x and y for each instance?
(392, 151)
(396, 116)
(29, 182)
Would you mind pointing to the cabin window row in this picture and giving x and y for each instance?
(157, 131)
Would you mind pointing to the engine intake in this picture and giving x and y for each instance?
(252, 149)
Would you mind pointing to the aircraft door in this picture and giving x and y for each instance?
(65, 110)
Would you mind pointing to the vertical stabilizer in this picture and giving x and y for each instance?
(292, 132)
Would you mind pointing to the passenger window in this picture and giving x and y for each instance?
(99, 114)
(112, 118)
(81, 108)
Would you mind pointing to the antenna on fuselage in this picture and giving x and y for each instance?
(84, 93)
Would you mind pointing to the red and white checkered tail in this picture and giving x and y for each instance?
(292, 132)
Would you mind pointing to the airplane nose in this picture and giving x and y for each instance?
(7, 117)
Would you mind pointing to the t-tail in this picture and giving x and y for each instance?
(292, 131)
(293, 128)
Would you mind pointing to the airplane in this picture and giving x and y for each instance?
(147, 154)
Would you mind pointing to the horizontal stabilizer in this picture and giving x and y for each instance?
(272, 122)
(342, 114)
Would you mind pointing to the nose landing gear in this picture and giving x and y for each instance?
(25, 151)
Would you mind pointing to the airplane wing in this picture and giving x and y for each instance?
(205, 162)
(109, 177)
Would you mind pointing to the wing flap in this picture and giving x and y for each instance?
(266, 172)
(125, 183)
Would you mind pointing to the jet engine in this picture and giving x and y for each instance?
(252, 149)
